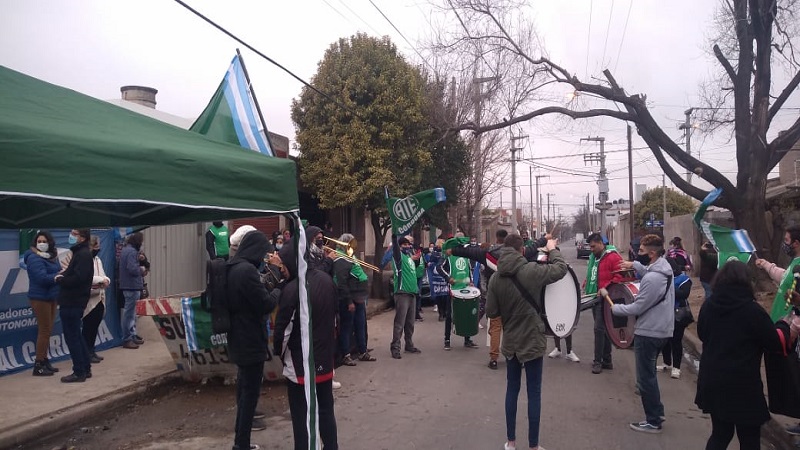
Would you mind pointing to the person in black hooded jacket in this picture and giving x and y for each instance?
(287, 343)
(249, 304)
(736, 331)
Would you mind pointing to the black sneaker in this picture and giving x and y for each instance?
(396, 354)
(258, 425)
(469, 344)
(137, 339)
(447, 344)
(95, 359)
(493, 364)
(259, 414)
(597, 368)
(40, 370)
(646, 427)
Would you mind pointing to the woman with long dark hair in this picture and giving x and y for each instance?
(736, 331)
(42, 264)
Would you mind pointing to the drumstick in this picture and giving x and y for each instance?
(604, 293)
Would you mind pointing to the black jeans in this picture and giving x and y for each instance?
(91, 323)
(673, 349)
(722, 433)
(557, 341)
(602, 343)
(448, 319)
(248, 387)
(71, 327)
(327, 417)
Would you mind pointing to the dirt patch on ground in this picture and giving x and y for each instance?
(175, 412)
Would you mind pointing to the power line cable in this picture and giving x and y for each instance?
(588, 39)
(257, 52)
(608, 32)
(624, 30)
(378, 33)
(403, 36)
(338, 12)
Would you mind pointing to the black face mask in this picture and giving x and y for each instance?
(644, 259)
(319, 243)
(787, 248)
(217, 224)
(95, 252)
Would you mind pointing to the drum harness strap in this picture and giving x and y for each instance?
(525, 294)
(664, 297)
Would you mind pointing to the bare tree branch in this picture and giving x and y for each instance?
(725, 63)
(784, 95)
(783, 143)
(542, 111)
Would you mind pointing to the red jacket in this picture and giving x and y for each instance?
(609, 263)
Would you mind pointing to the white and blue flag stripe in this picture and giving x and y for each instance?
(248, 127)
(188, 323)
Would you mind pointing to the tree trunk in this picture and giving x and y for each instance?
(379, 232)
(750, 215)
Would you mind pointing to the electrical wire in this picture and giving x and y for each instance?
(624, 30)
(402, 36)
(588, 38)
(257, 52)
(377, 33)
(608, 32)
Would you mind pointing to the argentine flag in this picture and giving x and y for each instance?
(232, 116)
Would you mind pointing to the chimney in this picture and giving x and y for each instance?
(143, 95)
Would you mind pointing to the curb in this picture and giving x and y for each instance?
(376, 306)
(51, 424)
(772, 431)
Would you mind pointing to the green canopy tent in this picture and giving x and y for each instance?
(70, 160)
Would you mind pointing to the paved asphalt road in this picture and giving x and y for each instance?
(451, 400)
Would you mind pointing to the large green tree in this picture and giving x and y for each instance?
(652, 202)
(375, 130)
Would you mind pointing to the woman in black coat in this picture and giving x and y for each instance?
(736, 331)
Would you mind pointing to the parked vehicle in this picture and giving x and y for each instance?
(578, 239)
(583, 249)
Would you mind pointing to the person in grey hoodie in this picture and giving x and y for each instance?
(654, 308)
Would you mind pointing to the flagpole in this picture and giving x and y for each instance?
(255, 101)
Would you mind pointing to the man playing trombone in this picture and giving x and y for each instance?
(351, 289)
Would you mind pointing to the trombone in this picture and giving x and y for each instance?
(351, 249)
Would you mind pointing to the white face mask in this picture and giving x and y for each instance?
(42, 246)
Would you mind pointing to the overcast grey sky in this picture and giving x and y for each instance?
(96, 46)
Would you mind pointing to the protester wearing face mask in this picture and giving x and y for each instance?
(217, 244)
(654, 309)
(317, 256)
(76, 286)
(784, 277)
(96, 308)
(42, 265)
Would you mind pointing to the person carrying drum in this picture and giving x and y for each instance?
(654, 308)
(601, 271)
(457, 271)
(515, 295)
(488, 258)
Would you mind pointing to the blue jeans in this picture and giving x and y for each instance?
(71, 320)
(706, 289)
(533, 381)
(345, 329)
(129, 315)
(360, 324)
(646, 350)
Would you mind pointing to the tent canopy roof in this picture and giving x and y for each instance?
(70, 160)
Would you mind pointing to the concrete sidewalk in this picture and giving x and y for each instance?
(34, 408)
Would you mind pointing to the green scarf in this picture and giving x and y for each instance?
(780, 307)
(591, 270)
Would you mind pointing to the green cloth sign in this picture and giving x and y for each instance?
(405, 212)
(197, 323)
(780, 307)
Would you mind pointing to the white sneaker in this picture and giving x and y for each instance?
(508, 447)
(664, 368)
(435, 308)
(480, 325)
(573, 357)
(676, 373)
(555, 353)
(336, 384)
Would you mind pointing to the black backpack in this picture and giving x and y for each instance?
(214, 299)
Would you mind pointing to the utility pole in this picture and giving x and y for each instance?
(664, 199)
(477, 149)
(514, 149)
(686, 126)
(539, 206)
(603, 180)
(548, 208)
(530, 188)
(631, 214)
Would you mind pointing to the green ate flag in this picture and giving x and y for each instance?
(405, 212)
